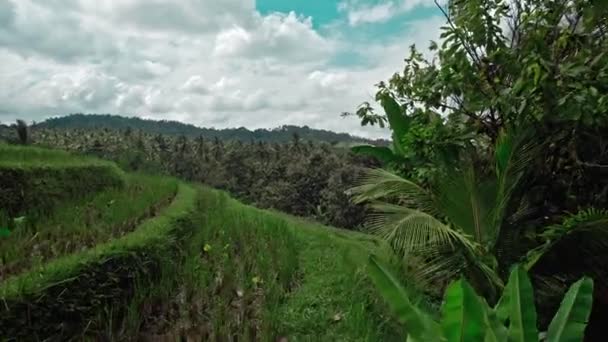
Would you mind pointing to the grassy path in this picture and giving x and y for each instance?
(334, 300)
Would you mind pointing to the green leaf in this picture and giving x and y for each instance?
(502, 307)
(4, 232)
(571, 319)
(503, 151)
(495, 331)
(399, 123)
(463, 314)
(522, 313)
(384, 154)
(418, 324)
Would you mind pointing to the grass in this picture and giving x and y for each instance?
(252, 274)
(240, 265)
(28, 156)
(36, 179)
(243, 273)
(205, 268)
(335, 301)
(153, 231)
(80, 284)
(77, 225)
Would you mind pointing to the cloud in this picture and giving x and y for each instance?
(7, 13)
(196, 84)
(186, 15)
(359, 12)
(233, 67)
(277, 35)
(367, 13)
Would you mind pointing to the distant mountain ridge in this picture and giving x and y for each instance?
(280, 134)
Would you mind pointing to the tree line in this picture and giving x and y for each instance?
(301, 177)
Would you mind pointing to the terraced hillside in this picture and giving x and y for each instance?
(104, 255)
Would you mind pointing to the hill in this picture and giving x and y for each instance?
(281, 134)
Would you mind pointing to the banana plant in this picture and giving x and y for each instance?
(466, 316)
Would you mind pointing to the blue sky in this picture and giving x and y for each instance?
(322, 12)
(214, 63)
(328, 17)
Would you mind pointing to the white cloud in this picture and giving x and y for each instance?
(196, 84)
(360, 12)
(235, 67)
(277, 35)
(367, 13)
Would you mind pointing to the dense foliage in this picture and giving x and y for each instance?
(302, 178)
(499, 153)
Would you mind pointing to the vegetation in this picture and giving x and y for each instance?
(300, 178)
(254, 275)
(490, 202)
(23, 132)
(77, 225)
(203, 267)
(34, 179)
(497, 152)
(79, 285)
(334, 299)
(467, 317)
(281, 134)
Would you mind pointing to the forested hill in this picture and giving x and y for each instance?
(280, 134)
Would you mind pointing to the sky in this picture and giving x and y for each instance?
(212, 63)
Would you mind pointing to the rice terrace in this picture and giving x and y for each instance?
(197, 170)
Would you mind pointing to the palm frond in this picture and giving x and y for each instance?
(409, 229)
(380, 184)
(590, 220)
(435, 268)
(466, 201)
(514, 151)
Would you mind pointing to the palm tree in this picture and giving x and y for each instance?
(23, 132)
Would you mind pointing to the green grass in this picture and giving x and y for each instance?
(35, 179)
(206, 268)
(30, 156)
(150, 232)
(240, 264)
(335, 301)
(77, 225)
(80, 284)
(253, 274)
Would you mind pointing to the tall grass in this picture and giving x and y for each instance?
(77, 225)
